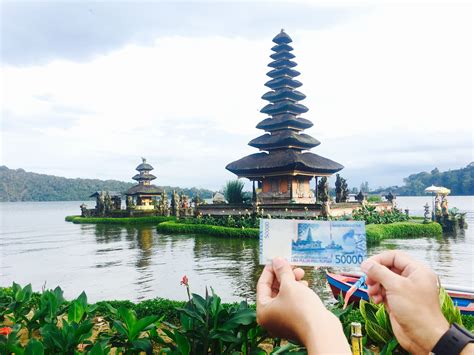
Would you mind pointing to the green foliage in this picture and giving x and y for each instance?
(400, 230)
(127, 329)
(370, 215)
(374, 198)
(233, 191)
(207, 326)
(19, 185)
(248, 220)
(450, 311)
(377, 323)
(187, 228)
(122, 221)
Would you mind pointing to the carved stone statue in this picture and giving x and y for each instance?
(117, 202)
(338, 188)
(427, 215)
(107, 204)
(101, 204)
(345, 190)
(360, 197)
(323, 189)
(129, 202)
(444, 207)
(390, 197)
(84, 212)
(175, 204)
(437, 206)
(164, 204)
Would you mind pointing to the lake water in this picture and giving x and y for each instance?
(110, 262)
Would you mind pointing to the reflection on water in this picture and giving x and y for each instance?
(113, 262)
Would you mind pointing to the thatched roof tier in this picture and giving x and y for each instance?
(290, 162)
(144, 177)
(283, 82)
(276, 73)
(284, 94)
(285, 121)
(282, 38)
(140, 189)
(144, 167)
(282, 63)
(283, 107)
(282, 48)
(282, 55)
(284, 139)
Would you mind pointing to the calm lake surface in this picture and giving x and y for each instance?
(110, 262)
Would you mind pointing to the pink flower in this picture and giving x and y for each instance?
(184, 281)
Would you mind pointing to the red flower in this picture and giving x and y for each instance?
(5, 331)
(184, 281)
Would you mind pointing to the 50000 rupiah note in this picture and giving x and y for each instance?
(313, 243)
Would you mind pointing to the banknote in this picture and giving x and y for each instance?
(313, 243)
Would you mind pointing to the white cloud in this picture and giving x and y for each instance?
(398, 77)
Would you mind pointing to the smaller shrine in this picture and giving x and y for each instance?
(143, 196)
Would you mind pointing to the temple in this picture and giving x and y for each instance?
(143, 196)
(284, 167)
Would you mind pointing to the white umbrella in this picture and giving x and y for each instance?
(432, 189)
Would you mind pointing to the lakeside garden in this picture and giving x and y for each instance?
(379, 224)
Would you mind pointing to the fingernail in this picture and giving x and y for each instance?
(367, 265)
(278, 262)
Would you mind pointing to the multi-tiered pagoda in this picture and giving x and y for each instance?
(144, 193)
(284, 167)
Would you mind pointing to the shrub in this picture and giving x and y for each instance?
(188, 228)
(374, 198)
(370, 215)
(377, 232)
(233, 191)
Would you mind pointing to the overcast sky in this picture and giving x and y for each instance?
(90, 87)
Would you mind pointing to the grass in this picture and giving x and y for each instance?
(173, 227)
(121, 220)
(401, 230)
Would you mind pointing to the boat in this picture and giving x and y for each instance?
(462, 297)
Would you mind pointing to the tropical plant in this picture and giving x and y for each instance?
(233, 191)
(370, 215)
(128, 329)
(207, 326)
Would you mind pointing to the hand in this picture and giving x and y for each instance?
(287, 308)
(409, 291)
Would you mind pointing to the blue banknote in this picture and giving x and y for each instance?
(313, 243)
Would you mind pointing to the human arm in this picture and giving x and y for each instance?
(409, 290)
(287, 308)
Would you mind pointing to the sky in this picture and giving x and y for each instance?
(88, 88)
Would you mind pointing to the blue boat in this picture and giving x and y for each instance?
(340, 283)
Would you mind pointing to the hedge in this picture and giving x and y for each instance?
(124, 220)
(400, 230)
(218, 231)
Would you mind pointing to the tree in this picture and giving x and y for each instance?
(233, 191)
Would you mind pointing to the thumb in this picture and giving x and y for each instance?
(282, 270)
(381, 274)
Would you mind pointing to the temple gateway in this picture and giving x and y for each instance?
(284, 167)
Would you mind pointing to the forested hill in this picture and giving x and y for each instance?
(459, 181)
(20, 185)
